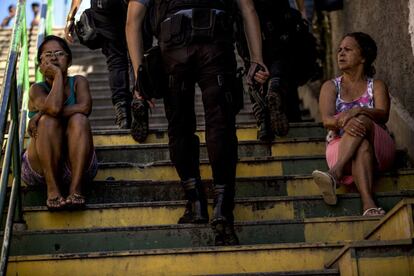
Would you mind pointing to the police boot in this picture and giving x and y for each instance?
(139, 124)
(196, 206)
(276, 105)
(264, 132)
(222, 222)
(122, 115)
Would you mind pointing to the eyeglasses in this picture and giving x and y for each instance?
(57, 54)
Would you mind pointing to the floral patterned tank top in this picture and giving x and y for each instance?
(366, 100)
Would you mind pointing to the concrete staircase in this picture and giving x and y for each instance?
(129, 224)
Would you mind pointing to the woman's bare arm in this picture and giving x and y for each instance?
(83, 99)
(327, 105)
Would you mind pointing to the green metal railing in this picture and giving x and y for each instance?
(13, 100)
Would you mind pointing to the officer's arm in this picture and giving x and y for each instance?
(135, 18)
(70, 20)
(252, 30)
(301, 7)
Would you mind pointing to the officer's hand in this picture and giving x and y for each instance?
(150, 102)
(262, 75)
(70, 25)
(257, 75)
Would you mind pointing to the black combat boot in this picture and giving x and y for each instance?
(276, 105)
(122, 115)
(139, 125)
(222, 222)
(196, 206)
(264, 132)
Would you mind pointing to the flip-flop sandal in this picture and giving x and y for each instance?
(56, 203)
(373, 212)
(75, 201)
(327, 186)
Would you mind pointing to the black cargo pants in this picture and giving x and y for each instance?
(212, 66)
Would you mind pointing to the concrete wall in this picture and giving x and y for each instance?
(388, 22)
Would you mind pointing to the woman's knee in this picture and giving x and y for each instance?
(78, 122)
(365, 147)
(48, 123)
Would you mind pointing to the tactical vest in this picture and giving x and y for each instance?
(210, 19)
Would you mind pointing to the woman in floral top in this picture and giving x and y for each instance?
(355, 108)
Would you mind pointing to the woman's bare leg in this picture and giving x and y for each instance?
(348, 147)
(80, 149)
(45, 154)
(363, 173)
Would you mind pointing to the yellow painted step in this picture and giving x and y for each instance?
(398, 224)
(246, 167)
(168, 172)
(385, 258)
(244, 133)
(162, 137)
(120, 215)
(197, 261)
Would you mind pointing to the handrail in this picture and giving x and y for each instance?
(14, 99)
(12, 90)
(45, 28)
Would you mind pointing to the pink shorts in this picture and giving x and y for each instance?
(31, 177)
(384, 148)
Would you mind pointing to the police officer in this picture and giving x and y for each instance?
(196, 47)
(110, 22)
(288, 63)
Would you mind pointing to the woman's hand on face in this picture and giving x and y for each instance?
(355, 127)
(48, 69)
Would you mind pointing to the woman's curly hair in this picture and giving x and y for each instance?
(368, 49)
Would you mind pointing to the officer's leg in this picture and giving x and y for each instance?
(118, 67)
(276, 98)
(221, 138)
(184, 147)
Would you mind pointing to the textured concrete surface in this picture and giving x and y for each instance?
(388, 22)
(391, 24)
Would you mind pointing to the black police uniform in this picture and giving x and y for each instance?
(196, 46)
(277, 53)
(282, 103)
(111, 25)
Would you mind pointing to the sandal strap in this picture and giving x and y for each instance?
(369, 210)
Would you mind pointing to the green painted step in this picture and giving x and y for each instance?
(376, 258)
(111, 136)
(168, 212)
(246, 167)
(152, 152)
(189, 235)
(141, 191)
(195, 261)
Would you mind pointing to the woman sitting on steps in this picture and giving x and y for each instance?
(61, 152)
(355, 108)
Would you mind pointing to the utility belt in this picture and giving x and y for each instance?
(194, 25)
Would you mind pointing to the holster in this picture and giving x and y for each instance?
(173, 31)
(152, 81)
(203, 24)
